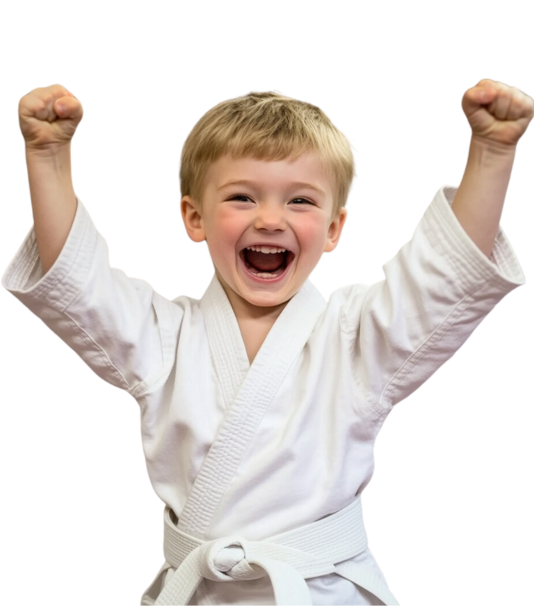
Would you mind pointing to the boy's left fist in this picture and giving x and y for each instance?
(497, 113)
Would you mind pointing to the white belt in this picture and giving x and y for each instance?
(309, 551)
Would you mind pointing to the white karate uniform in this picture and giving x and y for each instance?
(296, 429)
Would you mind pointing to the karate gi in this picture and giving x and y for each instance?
(256, 451)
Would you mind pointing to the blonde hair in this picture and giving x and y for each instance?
(265, 126)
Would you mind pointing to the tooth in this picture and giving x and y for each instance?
(266, 249)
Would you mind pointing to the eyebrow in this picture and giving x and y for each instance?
(293, 184)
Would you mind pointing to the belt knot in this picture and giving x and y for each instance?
(225, 559)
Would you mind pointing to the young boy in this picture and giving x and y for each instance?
(261, 402)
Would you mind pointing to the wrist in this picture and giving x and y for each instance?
(53, 159)
(490, 150)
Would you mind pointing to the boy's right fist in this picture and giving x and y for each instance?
(48, 117)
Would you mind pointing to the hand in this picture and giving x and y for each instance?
(497, 113)
(48, 117)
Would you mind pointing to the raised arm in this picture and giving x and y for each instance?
(48, 118)
(498, 115)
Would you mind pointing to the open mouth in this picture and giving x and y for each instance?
(267, 274)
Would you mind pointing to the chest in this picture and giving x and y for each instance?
(253, 335)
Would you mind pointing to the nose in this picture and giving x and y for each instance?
(270, 217)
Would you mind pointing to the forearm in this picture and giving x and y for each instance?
(480, 197)
(53, 200)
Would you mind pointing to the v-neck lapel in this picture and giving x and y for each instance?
(228, 351)
(249, 390)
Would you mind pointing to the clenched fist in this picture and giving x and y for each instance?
(497, 113)
(48, 117)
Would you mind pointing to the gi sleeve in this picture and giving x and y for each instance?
(437, 289)
(119, 326)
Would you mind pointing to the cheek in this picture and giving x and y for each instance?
(312, 235)
(230, 228)
(224, 231)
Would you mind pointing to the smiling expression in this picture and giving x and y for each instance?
(266, 224)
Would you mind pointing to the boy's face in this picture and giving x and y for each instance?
(283, 209)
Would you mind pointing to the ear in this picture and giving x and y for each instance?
(194, 224)
(335, 229)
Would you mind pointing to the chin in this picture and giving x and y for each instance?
(267, 302)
